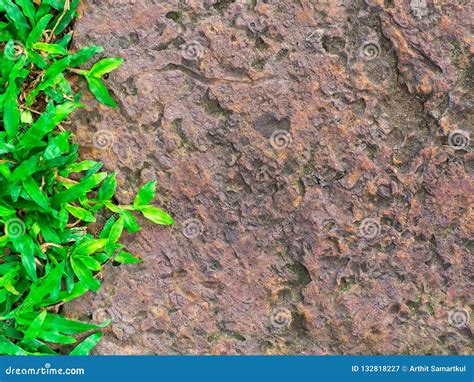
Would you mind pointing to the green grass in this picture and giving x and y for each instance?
(47, 197)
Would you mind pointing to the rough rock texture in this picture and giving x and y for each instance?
(315, 145)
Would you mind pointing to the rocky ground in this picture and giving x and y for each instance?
(316, 157)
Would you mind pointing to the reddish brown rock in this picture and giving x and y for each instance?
(307, 150)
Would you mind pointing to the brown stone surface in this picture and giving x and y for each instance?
(368, 94)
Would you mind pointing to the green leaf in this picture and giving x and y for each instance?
(107, 190)
(82, 166)
(112, 207)
(57, 146)
(47, 230)
(91, 263)
(35, 326)
(90, 247)
(104, 234)
(38, 30)
(156, 215)
(84, 274)
(56, 4)
(56, 338)
(116, 230)
(11, 114)
(130, 222)
(59, 324)
(48, 121)
(145, 195)
(25, 246)
(100, 91)
(105, 66)
(25, 169)
(86, 346)
(126, 258)
(28, 9)
(84, 55)
(40, 290)
(5, 211)
(81, 213)
(32, 188)
(51, 77)
(77, 191)
(9, 348)
(64, 19)
(50, 48)
(19, 21)
(9, 275)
